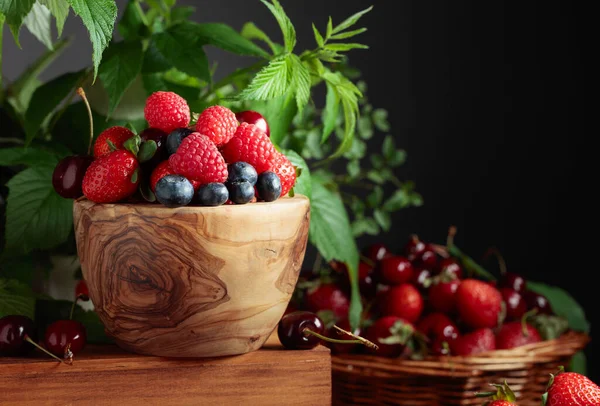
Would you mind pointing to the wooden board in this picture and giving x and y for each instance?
(106, 375)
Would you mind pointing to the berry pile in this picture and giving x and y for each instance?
(223, 158)
(422, 301)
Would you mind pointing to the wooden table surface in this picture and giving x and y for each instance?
(107, 375)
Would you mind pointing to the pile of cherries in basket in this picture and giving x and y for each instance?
(420, 301)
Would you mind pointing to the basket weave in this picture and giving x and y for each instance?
(451, 380)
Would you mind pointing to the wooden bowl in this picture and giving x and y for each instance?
(191, 281)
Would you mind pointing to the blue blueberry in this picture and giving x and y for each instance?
(240, 192)
(242, 172)
(174, 191)
(268, 186)
(213, 194)
(175, 138)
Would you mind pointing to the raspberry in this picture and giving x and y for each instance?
(218, 123)
(163, 169)
(197, 158)
(116, 135)
(109, 178)
(167, 111)
(250, 144)
(286, 172)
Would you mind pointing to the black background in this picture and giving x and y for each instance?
(486, 97)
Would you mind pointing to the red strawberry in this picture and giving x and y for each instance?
(390, 334)
(163, 169)
(501, 403)
(111, 178)
(442, 296)
(327, 297)
(286, 172)
(218, 123)
(395, 270)
(482, 340)
(115, 135)
(438, 325)
(197, 158)
(478, 304)
(167, 111)
(516, 334)
(571, 389)
(250, 144)
(403, 301)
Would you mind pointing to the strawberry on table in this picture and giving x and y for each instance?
(112, 177)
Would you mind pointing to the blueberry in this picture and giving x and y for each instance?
(174, 139)
(268, 186)
(174, 191)
(242, 172)
(240, 192)
(213, 194)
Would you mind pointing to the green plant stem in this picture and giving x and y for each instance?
(141, 13)
(469, 263)
(73, 308)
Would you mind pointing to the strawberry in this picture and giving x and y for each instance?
(402, 301)
(218, 123)
(250, 144)
(516, 334)
(163, 169)
(571, 389)
(476, 342)
(167, 111)
(327, 296)
(113, 135)
(286, 172)
(478, 304)
(500, 403)
(502, 396)
(111, 178)
(390, 334)
(197, 158)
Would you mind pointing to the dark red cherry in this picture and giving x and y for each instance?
(421, 279)
(513, 281)
(366, 281)
(63, 336)
(438, 325)
(537, 301)
(254, 117)
(68, 175)
(292, 334)
(376, 252)
(515, 304)
(81, 291)
(450, 266)
(395, 270)
(427, 259)
(414, 248)
(332, 332)
(442, 296)
(14, 334)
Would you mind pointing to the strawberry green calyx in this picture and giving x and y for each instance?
(502, 392)
(524, 319)
(400, 333)
(561, 369)
(143, 151)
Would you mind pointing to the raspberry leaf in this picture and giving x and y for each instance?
(331, 112)
(270, 82)
(99, 17)
(38, 22)
(15, 11)
(16, 298)
(60, 11)
(147, 151)
(228, 39)
(287, 28)
(26, 156)
(301, 82)
(350, 21)
(251, 31)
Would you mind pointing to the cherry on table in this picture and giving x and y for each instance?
(513, 281)
(254, 117)
(68, 175)
(16, 335)
(65, 338)
(428, 258)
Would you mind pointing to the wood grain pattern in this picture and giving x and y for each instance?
(106, 375)
(191, 281)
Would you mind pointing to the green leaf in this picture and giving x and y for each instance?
(331, 111)
(16, 298)
(121, 65)
(300, 82)
(472, 267)
(251, 31)
(397, 201)
(578, 363)
(365, 226)
(318, 37)
(287, 28)
(329, 31)
(397, 159)
(376, 177)
(375, 198)
(179, 14)
(279, 113)
(154, 61)
(348, 34)
(36, 216)
(388, 148)
(15, 11)
(179, 46)
(60, 11)
(331, 233)
(365, 128)
(350, 21)
(99, 18)
(379, 117)
(563, 305)
(27, 156)
(131, 26)
(45, 99)
(22, 269)
(353, 168)
(550, 327)
(383, 219)
(345, 47)
(38, 22)
(157, 82)
(303, 184)
(270, 82)
(226, 38)
(2, 19)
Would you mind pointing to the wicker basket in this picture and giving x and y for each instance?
(450, 380)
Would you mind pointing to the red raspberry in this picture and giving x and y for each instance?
(163, 169)
(109, 178)
(286, 172)
(197, 158)
(250, 144)
(116, 135)
(167, 111)
(218, 123)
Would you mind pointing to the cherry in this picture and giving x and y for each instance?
(81, 291)
(515, 304)
(390, 334)
(442, 296)
(68, 175)
(537, 301)
(366, 280)
(160, 137)
(513, 281)
(402, 301)
(254, 117)
(376, 252)
(421, 279)
(414, 248)
(451, 266)
(395, 270)
(65, 338)
(18, 336)
(327, 297)
(438, 326)
(335, 333)
(428, 258)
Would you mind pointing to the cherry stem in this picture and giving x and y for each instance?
(364, 341)
(39, 347)
(331, 340)
(450, 238)
(73, 308)
(527, 315)
(81, 93)
(501, 262)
